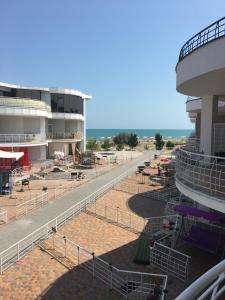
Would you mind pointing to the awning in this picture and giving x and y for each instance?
(6, 154)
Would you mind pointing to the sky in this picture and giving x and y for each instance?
(122, 52)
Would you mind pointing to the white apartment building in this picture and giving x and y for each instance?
(40, 121)
(200, 165)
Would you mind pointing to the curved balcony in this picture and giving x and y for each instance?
(23, 106)
(201, 64)
(65, 136)
(15, 140)
(201, 178)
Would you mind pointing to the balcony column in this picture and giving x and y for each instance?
(208, 114)
(42, 129)
(198, 125)
(83, 128)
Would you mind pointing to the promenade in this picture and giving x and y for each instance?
(15, 231)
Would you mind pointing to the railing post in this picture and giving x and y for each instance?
(1, 269)
(93, 264)
(117, 214)
(64, 245)
(78, 255)
(18, 252)
(111, 276)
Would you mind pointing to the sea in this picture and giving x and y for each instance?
(144, 134)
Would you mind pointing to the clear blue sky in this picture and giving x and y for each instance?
(123, 52)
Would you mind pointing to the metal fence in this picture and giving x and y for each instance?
(24, 208)
(153, 226)
(78, 135)
(131, 285)
(117, 216)
(163, 194)
(19, 138)
(3, 215)
(209, 286)
(201, 172)
(170, 260)
(15, 252)
(209, 34)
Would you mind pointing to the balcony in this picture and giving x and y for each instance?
(201, 65)
(201, 178)
(24, 106)
(21, 139)
(193, 144)
(71, 136)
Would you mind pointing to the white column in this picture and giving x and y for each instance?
(207, 113)
(83, 126)
(42, 128)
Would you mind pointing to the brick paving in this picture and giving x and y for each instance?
(10, 203)
(39, 276)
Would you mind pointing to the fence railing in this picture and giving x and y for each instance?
(133, 285)
(209, 286)
(24, 208)
(170, 260)
(193, 144)
(209, 34)
(78, 135)
(117, 216)
(201, 172)
(15, 252)
(134, 222)
(3, 215)
(19, 138)
(164, 194)
(24, 103)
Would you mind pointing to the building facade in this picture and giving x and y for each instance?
(200, 165)
(40, 121)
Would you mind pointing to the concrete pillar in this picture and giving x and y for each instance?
(198, 125)
(208, 113)
(83, 128)
(42, 128)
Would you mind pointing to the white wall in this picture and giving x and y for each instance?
(37, 153)
(62, 147)
(203, 71)
(11, 125)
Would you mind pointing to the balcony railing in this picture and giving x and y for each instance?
(20, 138)
(209, 34)
(65, 135)
(209, 286)
(24, 103)
(193, 144)
(201, 172)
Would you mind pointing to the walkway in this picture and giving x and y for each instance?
(15, 231)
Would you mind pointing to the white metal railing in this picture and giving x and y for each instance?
(133, 285)
(170, 260)
(201, 172)
(117, 216)
(193, 144)
(3, 215)
(163, 224)
(20, 138)
(209, 286)
(164, 194)
(15, 252)
(78, 135)
(24, 208)
(24, 103)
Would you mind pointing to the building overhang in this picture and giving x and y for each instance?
(201, 198)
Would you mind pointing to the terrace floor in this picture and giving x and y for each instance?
(39, 276)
